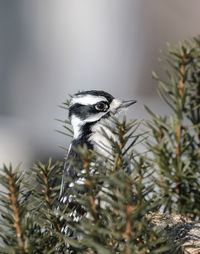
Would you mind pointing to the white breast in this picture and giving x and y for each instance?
(98, 139)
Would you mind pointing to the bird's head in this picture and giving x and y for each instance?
(89, 107)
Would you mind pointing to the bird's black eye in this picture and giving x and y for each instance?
(101, 106)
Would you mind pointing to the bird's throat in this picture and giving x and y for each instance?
(99, 138)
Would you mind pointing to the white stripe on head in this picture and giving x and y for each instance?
(95, 117)
(87, 99)
(77, 123)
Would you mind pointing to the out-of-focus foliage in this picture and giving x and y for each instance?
(120, 192)
(175, 147)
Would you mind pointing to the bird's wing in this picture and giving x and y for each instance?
(68, 174)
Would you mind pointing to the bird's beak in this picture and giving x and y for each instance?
(126, 104)
(118, 105)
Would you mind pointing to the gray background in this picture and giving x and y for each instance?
(49, 49)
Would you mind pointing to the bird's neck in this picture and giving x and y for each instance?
(92, 135)
(82, 129)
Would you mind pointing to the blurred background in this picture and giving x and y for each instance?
(49, 49)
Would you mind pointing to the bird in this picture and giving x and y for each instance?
(88, 110)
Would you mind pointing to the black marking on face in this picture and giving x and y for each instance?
(101, 106)
(85, 111)
(82, 111)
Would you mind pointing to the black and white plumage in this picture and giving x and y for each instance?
(87, 111)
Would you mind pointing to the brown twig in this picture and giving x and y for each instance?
(128, 232)
(16, 211)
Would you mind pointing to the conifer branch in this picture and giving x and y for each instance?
(16, 208)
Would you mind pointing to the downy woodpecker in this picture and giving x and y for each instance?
(87, 111)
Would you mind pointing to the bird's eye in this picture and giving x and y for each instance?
(101, 106)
